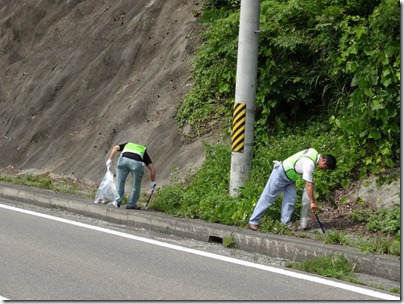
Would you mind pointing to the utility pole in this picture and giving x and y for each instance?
(244, 106)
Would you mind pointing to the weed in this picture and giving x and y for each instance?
(384, 246)
(390, 219)
(395, 289)
(229, 242)
(281, 228)
(36, 181)
(333, 266)
(365, 245)
(303, 235)
(336, 237)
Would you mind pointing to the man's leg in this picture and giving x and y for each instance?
(122, 172)
(137, 170)
(268, 196)
(288, 203)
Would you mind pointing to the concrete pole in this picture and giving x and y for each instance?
(244, 107)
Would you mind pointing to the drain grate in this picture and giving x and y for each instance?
(215, 239)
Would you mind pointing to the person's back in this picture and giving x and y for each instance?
(283, 178)
(132, 159)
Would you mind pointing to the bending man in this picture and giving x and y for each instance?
(283, 179)
(131, 160)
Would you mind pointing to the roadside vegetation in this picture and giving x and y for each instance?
(328, 77)
(336, 267)
(63, 185)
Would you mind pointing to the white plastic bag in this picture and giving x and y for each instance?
(304, 211)
(107, 192)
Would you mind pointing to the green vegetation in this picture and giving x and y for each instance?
(37, 181)
(389, 217)
(334, 59)
(204, 195)
(328, 77)
(395, 289)
(380, 245)
(229, 242)
(335, 62)
(337, 267)
(333, 266)
(335, 237)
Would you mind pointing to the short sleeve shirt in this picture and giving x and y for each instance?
(146, 158)
(305, 166)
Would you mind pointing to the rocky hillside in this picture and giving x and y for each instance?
(79, 76)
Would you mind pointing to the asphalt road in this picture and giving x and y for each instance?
(44, 257)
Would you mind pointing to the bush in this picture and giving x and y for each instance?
(206, 194)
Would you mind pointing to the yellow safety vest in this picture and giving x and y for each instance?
(134, 148)
(290, 163)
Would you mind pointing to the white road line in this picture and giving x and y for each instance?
(323, 281)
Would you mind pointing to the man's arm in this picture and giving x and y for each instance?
(310, 194)
(113, 151)
(152, 172)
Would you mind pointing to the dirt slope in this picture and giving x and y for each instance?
(81, 76)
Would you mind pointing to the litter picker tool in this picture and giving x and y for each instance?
(148, 201)
(319, 223)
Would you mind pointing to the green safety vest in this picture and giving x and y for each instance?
(134, 148)
(290, 163)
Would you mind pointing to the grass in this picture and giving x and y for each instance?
(336, 237)
(330, 266)
(229, 242)
(333, 266)
(379, 245)
(36, 181)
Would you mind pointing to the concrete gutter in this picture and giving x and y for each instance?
(287, 247)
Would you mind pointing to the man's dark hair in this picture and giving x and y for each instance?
(330, 161)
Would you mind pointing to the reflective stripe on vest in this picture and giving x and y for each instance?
(290, 163)
(134, 148)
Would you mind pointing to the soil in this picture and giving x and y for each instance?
(79, 77)
(337, 218)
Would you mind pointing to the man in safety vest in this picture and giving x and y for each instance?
(283, 179)
(131, 160)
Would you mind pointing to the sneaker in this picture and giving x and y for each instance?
(253, 227)
(115, 203)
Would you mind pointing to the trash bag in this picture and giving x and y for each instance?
(304, 211)
(107, 192)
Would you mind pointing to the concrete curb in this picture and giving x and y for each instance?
(287, 247)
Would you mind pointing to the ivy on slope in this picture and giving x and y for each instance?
(369, 55)
(332, 59)
(328, 77)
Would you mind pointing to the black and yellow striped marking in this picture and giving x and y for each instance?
(238, 131)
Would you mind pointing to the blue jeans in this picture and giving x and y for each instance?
(277, 183)
(136, 169)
